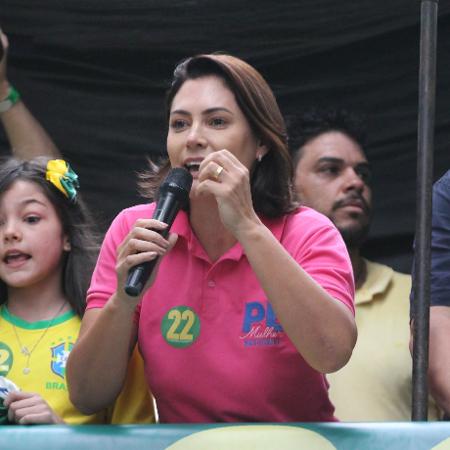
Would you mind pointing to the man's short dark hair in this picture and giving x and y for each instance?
(311, 123)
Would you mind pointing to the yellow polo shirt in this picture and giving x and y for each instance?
(376, 383)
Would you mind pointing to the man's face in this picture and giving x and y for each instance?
(332, 177)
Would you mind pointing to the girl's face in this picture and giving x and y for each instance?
(204, 118)
(31, 237)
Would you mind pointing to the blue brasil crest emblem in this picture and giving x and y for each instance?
(60, 353)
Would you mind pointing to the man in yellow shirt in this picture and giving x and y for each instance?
(332, 175)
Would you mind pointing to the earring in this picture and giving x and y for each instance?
(259, 157)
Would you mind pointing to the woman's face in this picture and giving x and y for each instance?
(204, 118)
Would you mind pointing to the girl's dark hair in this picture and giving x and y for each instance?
(76, 223)
(271, 179)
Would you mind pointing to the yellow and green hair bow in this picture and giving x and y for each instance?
(63, 178)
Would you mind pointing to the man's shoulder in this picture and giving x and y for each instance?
(383, 282)
(444, 180)
(385, 270)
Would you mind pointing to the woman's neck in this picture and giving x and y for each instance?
(37, 302)
(209, 229)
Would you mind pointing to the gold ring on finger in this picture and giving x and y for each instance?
(217, 172)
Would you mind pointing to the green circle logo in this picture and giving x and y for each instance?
(6, 359)
(180, 327)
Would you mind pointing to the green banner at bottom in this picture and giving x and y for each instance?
(324, 436)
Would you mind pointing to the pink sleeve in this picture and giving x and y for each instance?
(320, 250)
(104, 278)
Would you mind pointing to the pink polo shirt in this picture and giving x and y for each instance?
(213, 348)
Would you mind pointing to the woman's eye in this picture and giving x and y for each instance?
(178, 124)
(218, 122)
(32, 219)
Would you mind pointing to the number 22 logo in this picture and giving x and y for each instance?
(6, 359)
(180, 326)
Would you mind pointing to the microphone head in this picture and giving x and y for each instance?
(178, 182)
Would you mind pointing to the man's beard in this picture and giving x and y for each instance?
(355, 236)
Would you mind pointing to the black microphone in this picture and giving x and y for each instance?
(172, 196)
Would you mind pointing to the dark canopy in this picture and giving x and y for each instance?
(94, 73)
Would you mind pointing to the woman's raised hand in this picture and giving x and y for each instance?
(224, 176)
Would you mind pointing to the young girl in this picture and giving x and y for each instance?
(47, 252)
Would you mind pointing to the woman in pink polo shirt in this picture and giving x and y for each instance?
(252, 300)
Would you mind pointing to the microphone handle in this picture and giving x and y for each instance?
(138, 275)
(166, 211)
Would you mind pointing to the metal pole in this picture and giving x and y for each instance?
(421, 287)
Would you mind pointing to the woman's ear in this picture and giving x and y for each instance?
(66, 244)
(261, 151)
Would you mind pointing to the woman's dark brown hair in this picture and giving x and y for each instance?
(271, 179)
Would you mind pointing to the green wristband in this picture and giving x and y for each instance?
(11, 99)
